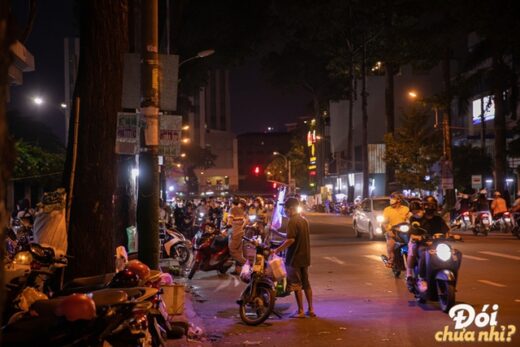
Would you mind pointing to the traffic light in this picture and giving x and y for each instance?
(256, 170)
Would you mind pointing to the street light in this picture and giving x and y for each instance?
(38, 100)
(287, 167)
(201, 54)
(63, 105)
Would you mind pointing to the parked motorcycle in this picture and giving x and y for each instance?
(436, 269)
(463, 221)
(211, 251)
(257, 300)
(401, 237)
(482, 223)
(108, 316)
(176, 246)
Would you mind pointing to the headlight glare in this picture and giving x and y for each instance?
(443, 251)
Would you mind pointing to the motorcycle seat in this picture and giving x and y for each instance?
(90, 281)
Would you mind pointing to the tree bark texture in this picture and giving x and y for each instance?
(390, 71)
(104, 40)
(7, 37)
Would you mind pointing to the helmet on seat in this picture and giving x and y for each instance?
(77, 306)
(124, 279)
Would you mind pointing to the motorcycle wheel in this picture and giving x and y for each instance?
(183, 253)
(475, 232)
(446, 293)
(194, 269)
(257, 309)
(485, 232)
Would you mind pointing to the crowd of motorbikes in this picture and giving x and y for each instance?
(482, 223)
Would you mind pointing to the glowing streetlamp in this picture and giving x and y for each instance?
(38, 100)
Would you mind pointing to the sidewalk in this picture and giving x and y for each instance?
(191, 320)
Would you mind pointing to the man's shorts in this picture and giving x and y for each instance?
(297, 278)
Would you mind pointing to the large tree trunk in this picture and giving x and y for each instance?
(6, 146)
(390, 71)
(500, 131)
(104, 40)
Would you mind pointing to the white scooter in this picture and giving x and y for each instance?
(177, 246)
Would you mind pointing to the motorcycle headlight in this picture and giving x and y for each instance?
(201, 214)
(404, 228)
(380, 219)
(252, 218)
(443, 251)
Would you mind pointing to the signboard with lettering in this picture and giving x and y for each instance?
(476, 181)
(127, 137)
(170, 129)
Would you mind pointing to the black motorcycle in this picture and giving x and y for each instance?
(401, 237)
(436, 269)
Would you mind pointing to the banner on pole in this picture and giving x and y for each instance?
(127, 137)
(170, 129)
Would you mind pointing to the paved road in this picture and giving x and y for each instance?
(358, 301)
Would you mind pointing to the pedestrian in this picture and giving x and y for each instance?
(237, 219)
(298, 257)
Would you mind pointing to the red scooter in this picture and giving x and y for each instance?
(211, 251)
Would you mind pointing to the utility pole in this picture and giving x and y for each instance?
(148, 195)
(364, 111)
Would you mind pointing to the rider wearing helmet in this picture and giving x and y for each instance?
(498, 205)
(394, 214)
(432, 223)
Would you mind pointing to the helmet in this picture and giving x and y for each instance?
(290, 203)
(77, 306)
(497, 193)
(415, 205)
(430, 204)
(395, 198)
(124, 279)
(141, 269)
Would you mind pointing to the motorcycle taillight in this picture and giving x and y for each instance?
(485, 215)
(465, 213)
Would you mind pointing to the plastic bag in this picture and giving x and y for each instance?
(245, 274)
(277, 266)
(50, 229)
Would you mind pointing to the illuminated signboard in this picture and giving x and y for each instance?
(489, 109)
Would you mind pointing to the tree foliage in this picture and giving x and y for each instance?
(414, 149)
(467, 161)
(299, 158)
(35, 163)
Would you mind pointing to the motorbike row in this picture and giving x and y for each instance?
(122, 309)
(483, 223)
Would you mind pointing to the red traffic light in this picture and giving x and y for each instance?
(256, 170)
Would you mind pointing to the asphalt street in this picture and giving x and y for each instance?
(359, 302)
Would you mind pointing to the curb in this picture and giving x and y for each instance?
(189, 318)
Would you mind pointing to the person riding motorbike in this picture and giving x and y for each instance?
(428, 218)
(394, 214)
(480, 204)
(498, 205)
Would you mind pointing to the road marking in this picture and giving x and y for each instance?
(374, 257)
(494, 284)
(335, 260)
(496, 254)
(473, 257)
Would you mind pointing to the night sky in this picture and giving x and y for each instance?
(255, 104)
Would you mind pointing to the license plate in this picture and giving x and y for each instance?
(507, 220)
(466, 219)
(485, 221)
